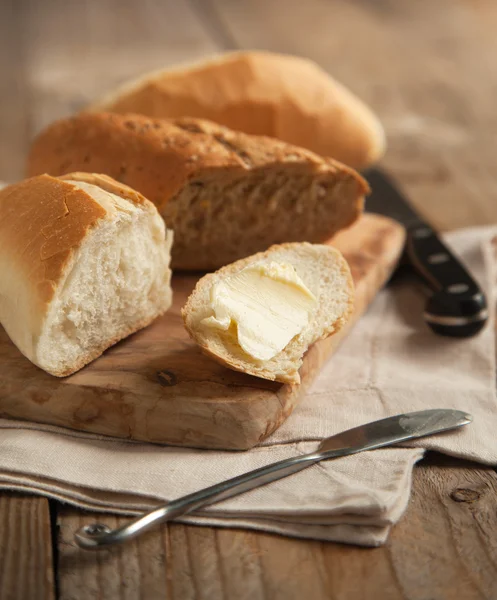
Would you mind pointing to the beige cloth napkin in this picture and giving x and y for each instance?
(391, 363)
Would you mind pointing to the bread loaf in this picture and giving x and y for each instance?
(260, 93)
(84, 263)
(320, 268)
(225, 194)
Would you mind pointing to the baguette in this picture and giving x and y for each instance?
(260, 93)
(225, 194)
(321, 268)
(84, 263)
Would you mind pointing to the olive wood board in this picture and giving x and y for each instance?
(157, 386)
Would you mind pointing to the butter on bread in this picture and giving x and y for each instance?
(325, 296)
(261, 308)
(262, 93)
(84, 263)
(225, 194)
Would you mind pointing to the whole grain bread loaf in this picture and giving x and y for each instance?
(225, 194)
(261, 93)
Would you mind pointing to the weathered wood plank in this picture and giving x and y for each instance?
(156, 386)
(137, 570)
(444, 548)
(26, 570)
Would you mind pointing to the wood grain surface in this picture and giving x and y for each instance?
(444, 548)
(157, 386)
(427, 68)
(25, 549)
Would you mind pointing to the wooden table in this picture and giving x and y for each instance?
(428, 68)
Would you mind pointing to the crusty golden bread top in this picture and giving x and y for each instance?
(44, 218)
(260, 93)
(109, 185)
(159, 156)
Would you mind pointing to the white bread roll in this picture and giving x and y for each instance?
(225, 194)
(84, 263)
(324, 272)
(262, 93)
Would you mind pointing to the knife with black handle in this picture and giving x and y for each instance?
(457, 306)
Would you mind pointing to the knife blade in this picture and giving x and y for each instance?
(378, 434)
(457, 306)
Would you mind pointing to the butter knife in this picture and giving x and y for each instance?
(377, 434)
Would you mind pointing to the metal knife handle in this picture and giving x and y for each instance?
(458, 306)
(366, 437)
(97, 535)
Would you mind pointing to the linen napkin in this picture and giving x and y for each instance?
(390, 363)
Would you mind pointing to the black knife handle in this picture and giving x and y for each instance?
(458, 306)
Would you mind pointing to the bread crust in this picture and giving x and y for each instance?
(43, 221)
(58, 222)
(109, 185)
(260, 369)
(261, 93)
(45, 232)
(158, 156)
(163, 158)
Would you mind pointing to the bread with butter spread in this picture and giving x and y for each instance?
(259, 315)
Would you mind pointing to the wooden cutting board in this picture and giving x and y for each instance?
(156, 386)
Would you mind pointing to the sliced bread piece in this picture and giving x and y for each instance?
(225, 194)
(263, 93)
(319, 269)
(84, 263)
